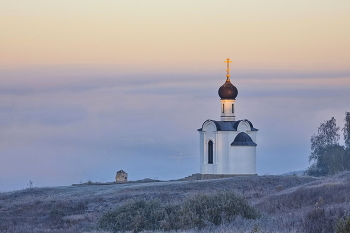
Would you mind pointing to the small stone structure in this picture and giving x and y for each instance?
(121, 176)
(279, 188)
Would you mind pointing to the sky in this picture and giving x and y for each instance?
(88, 88)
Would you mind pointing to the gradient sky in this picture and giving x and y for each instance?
(91, 87)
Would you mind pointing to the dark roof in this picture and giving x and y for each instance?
(243, 139)
(229, 125)
(228, 91)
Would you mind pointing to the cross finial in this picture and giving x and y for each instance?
(228, 69)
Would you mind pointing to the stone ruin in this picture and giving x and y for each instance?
(121, 176)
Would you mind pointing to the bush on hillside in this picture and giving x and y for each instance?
(326, 220)
(316, 221)
(216, 209)
(194, 212)
(343, 225)
(135, 215)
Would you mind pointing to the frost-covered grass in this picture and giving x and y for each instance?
(285, 204)
(198, 211)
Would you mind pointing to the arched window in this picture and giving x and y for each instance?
(210, 152)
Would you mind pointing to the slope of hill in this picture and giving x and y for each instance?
(286, 203)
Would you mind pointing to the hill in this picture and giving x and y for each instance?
(285, 203)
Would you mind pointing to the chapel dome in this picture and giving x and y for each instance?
(243, 139)
(228, 91)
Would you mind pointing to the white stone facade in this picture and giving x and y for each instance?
(227, 110)
(227, 159)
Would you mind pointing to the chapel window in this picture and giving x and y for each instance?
(210, 152)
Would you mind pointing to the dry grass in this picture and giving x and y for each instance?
(286, 203)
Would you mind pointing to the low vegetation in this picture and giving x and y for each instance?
(198, 211)
(259, 204)
(343, 225)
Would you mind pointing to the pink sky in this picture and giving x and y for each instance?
(173, 35)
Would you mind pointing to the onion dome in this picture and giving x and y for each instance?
(228, 90)
(243, 139)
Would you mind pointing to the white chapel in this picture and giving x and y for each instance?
(228, 147)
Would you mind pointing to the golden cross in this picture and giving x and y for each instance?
(228, 68)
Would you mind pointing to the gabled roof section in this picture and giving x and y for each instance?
(243, 139)
(249, 122)
(229, 125)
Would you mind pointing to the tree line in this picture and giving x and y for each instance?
(327, 155)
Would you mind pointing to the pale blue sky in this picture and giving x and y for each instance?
(62, 125)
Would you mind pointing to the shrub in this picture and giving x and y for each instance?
(343, 226)
(135, 215)
(216, 208)
(194, 212)
(55, 217)
(315, 221)
(321, 220)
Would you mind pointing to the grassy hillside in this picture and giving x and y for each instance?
(284, 203)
